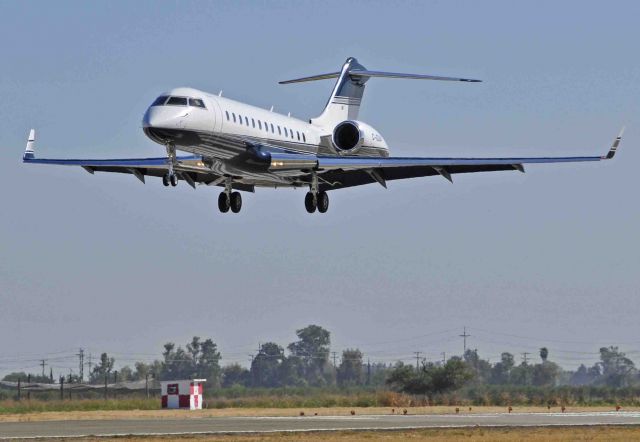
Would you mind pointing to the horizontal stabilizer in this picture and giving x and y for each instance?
(380, 74)
(312, 78)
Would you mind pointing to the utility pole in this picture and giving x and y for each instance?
(444, 358)
(525, 357)
(43, 362)
(368, 372)
(335, 355)
(464, 337)
(417, 353)
(81, 358)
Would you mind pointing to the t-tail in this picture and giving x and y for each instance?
(346, 97)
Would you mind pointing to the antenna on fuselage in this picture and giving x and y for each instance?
(289, 114)
(271, 110)
(220, 93)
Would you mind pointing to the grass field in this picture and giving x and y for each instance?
(558, 434)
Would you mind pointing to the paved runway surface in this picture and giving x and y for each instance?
(312, 423)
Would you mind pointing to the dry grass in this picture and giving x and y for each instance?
(226, 412)
(556, 434)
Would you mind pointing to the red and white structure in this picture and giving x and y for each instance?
(185, 394)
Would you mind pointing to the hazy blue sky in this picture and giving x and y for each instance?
(550, 257)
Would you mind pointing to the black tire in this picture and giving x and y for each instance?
(224, 202)
(174, 180)
(310, 202)
(323, 202)
(236, 202)
(165, 180)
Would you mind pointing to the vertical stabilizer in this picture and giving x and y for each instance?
(344, 102)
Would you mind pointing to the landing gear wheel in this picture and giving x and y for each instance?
(323, 202)
(174, 180)
(236, 202)
(165, 180)
(310, 202)
(224, 202)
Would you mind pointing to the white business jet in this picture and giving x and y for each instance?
(239, 147)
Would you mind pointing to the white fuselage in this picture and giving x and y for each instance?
(223, 125)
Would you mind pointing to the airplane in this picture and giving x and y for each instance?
(239, 147)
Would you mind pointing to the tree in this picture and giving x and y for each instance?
(501, 371)
(350, 369)
(200, 360)
(615, 367)
(102, 368)
(480, 367)
(312, 350)
(22, 376)
(266, 366)
(235, 374)
(431, 378)
(544, 354)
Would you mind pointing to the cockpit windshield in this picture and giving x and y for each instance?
(165, 100)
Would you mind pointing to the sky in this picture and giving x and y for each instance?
(546, 258)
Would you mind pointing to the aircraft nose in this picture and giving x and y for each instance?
(162, 118)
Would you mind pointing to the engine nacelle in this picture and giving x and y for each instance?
(352, 136)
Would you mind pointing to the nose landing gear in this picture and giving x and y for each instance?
(170, 178)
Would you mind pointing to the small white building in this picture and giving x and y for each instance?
(186, 394)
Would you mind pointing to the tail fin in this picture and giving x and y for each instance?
(29, 154)
(344, 102)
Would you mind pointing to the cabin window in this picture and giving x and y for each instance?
(239, 118)
(177, 101)
(160, 101)
(246, 120)
(279, 131)
(266, 126)
(196, 102)
(304, 138)
(272, 131)
(227, 112)
(259, 125)
(291, 132)
(253, 123)
(286, 134)
(298, 135)
(234, 116)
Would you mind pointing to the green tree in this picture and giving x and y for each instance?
(312, 350)
(501, 371)
(35, 378)
(102, 369)
(350, 370)
(431, 378)
(617, 370)
(544, 354)
(480, 367)
(266, 366)
(235, 374)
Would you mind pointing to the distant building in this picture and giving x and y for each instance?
(185, 394)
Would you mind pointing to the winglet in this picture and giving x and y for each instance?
(614, 146)
(29, 153)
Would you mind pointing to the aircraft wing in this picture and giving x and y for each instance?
(189, 168)
(338, 172)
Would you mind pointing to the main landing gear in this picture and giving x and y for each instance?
(229, 200)
(314, 199)
(170, 177)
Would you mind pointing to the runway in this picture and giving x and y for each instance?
(221, 425)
